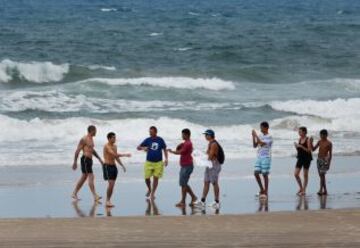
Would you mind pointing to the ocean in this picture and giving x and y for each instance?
(127, 65)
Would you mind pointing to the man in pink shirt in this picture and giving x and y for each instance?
(185, 150)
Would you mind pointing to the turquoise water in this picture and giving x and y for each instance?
(125, 65)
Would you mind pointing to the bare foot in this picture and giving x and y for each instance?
(180, 205)
(320, 193)
(325, 193)
(300, 193)
(263, 196)
(152, 197)
(97, 198)
(75, 197)
(147, 195)
(109, 204)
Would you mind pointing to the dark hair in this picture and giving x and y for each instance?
(324, 132)
(304, 129)
(186, 131)
(110, 135)
(91, 128)
(264, 124)
(153, 128)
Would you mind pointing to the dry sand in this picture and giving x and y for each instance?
(327, 228)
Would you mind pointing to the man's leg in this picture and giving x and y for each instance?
(324, 185)
(183, 197)
(258, 180)
(109, 193)
(78, 186)
(306, 179)
(321, 183)
(205, 191)
(154, 187)
(91, 180)
(182, 183)
(191, 193)
(216, 191)
(298, 179)
(148, 185)
(266, 182)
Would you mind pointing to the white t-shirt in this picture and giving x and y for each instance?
(265, 151)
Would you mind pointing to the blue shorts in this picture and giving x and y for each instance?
(184, 175)
(263, 166)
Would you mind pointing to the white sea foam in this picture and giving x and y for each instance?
(193, 13)
(183, 49)
(168, 82)
(155, 34)
(102, 67)
(52, 141)
(36, 72)
(108, 9)
(59, 102)
(337, 108)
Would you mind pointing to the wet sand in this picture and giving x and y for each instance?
(328, 228)
(42, 192)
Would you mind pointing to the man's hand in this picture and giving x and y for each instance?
(169, 150)
(124, 169)
(101, 162)
(142, 148)
(74, 166)
(124, 155)
(166, 162)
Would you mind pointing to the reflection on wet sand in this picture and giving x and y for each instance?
(323, 201)
(81, 213)
(303, 203)
(198, 211)
(151, 209)
(263, 205)
(108, 211)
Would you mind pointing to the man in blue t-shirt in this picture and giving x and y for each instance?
(154, 146)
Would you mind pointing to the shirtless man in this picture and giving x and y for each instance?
(211, 175)
(324, 159)
(86, 145)
(109, 167)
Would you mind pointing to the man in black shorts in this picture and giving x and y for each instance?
(109, 168)
(86, 145)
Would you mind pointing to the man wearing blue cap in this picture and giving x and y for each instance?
(212, 174)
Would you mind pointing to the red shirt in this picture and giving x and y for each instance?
(185, 153)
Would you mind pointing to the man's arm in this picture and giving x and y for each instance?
(117, 158)
(330, 153)
(142, 146)
(77, 152)
(253, 134)
(166, 156)
(98, 157)
(316, 146)
(213, 151)
(180, 151)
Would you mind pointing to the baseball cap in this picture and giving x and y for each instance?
(209, 132)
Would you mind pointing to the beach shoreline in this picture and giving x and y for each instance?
(44, 192)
